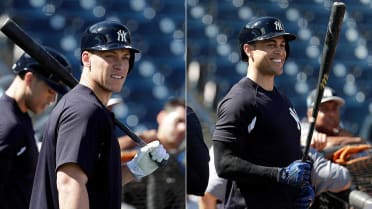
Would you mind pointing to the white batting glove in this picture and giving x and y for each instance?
(147, 159)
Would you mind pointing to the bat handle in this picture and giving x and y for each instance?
(162, 163)
(129, 155)
(308, 140)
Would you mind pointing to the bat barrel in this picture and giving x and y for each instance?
(329, 48)
(35, 50)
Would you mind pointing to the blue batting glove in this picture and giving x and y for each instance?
(296, 174)
(306, 197)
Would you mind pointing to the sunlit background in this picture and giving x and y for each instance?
(157, 29)
(214, 57)
(204, 35)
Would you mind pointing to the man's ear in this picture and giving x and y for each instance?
(160, 116)
(85, 58)
(28, 77)
(248, 50)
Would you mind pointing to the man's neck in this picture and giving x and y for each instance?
(16, 91)
(101, 94)
(264, 81)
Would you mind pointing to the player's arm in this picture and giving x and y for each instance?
(328, 176)
(71, 186)
(343, 140)
(208, 201)
(126, 175)
(230, 166)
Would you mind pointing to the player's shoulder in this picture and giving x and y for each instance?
(83, 103)
(82, 96)
(245, 89)
(6, 106)
(241, 95)
(10, 128)
(9, 114)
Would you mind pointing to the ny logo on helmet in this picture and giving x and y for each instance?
(122, 36)
(278, 26)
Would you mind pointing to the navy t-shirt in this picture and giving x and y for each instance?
(264, 129)
(80, 130)
(18, 155)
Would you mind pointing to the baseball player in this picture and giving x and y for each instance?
(257, 134)
(33, 89)
(79, 163)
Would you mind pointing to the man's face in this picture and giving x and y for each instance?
(39, 95)
(172, 127)
(109, 69)
(268, 56)
(328, 119)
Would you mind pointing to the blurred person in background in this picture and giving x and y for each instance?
(33, 89)
(216, 191)
(165, 187)
(366, 130)
(329, 138)
(197, 156)
(197, 159)
(328, 133)
(170, 131)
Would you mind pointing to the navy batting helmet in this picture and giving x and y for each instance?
(26, 63)
(263, 28)
(108, 35)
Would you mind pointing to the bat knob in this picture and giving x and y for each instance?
(162, 163)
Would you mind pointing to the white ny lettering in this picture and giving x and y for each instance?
(278, 25)
(122, 36)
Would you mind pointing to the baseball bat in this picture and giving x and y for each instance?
(329, 48)
(38, 52)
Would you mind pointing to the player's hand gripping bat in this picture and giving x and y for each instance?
(38, 52)
(329, 48)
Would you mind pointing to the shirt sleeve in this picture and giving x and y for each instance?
(326, 175)
(233, 117)
(79, 138)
